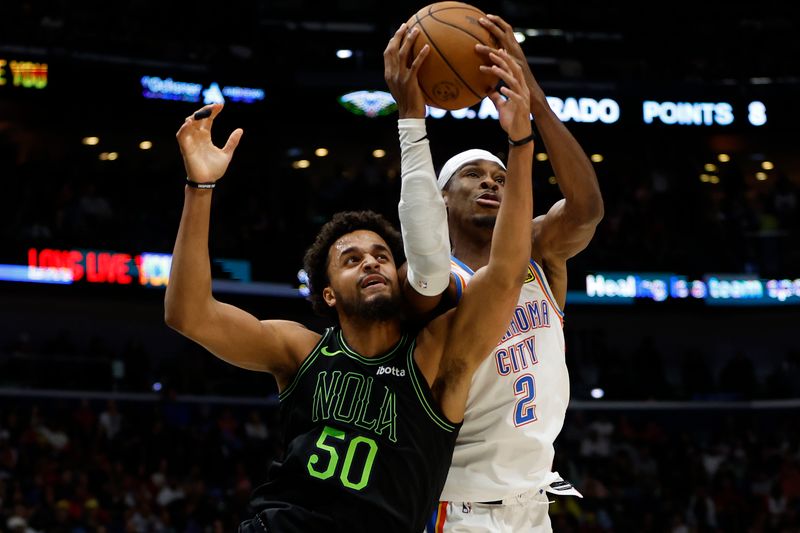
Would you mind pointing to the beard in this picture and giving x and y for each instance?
(484, 221)
(380, 308)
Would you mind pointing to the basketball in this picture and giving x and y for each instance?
(450, 77)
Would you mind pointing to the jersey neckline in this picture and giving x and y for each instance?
(377, 360)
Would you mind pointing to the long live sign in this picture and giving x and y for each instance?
(96, 266)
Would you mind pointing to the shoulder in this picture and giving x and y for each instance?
(543, 247)
(295, 339)
(543, 226)
(292, 332)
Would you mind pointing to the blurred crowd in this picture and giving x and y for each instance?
(69, 466)
(657, 219)
(646, 371)
(680, 471)
(663, 216)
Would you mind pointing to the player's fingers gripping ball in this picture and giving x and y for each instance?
(450, 77)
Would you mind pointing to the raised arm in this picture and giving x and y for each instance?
(569, 225)
(226, 331)
(475, 327)
(422, 212)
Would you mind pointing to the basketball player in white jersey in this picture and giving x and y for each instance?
(501, 472)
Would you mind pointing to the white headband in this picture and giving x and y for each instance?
(459, 160)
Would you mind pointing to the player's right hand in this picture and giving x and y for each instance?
(402, 78)
(503, 32)
(205, 162)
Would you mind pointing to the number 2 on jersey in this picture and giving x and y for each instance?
(333, 459)
(525, 409)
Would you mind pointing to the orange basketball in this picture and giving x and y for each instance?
(450, 77)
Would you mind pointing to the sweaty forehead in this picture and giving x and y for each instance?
(359, 239)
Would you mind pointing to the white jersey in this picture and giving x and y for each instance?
(517, 401)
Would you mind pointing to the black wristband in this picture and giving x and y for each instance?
(198, 185)
(521, 142)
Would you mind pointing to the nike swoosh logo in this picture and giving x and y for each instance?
(326, 353)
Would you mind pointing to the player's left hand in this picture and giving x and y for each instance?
(402, 78)
(205, 162)
(514, 109)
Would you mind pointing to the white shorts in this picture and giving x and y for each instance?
(528, 513)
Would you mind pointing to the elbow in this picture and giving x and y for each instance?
(429, 286)
(174, 319)
(598, 211)
(181, 323)
(187, 318)
(177, 318)
(508, 290)
(508, 279)
(592, 211)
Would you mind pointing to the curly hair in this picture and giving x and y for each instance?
(316, 258)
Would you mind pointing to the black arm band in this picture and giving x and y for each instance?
(197, 185)
(521, 142)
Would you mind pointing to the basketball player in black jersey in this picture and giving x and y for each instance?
(370, 411)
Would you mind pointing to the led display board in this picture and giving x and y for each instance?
(154, 87)
(713, 289)
(95, 266)
(584, 109)
(74, 266)
(48, 265)
(25, 74)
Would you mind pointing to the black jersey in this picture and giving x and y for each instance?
(367, 448)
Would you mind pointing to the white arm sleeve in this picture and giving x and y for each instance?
(423, 215)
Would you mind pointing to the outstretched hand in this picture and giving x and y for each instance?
(402, 78)
(205, 162)
(514, 109)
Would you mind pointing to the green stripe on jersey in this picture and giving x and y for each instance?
(304, 367)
